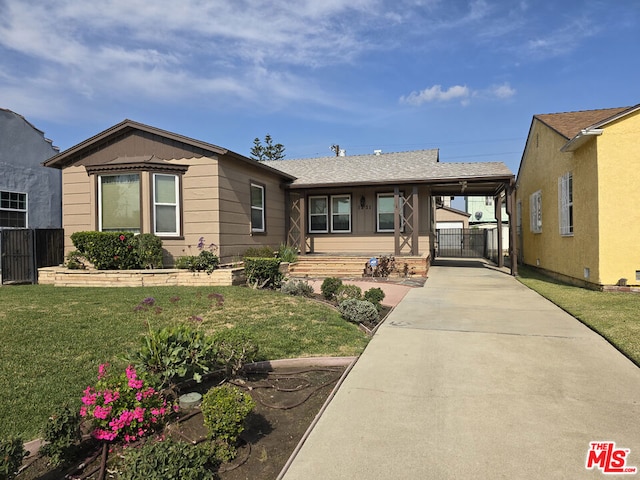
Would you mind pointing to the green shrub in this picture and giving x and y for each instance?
(62, 435)
(119, 250)
(375, 296)
(330, 287)
(234, 349)
(224, 410)
(259, 252)
(205, 261)
(298, 288)
(287, 253)
(358, 311)
(149, 250)
(348, 291)
(12, 453)
(263, 272)
(168, 460)
(173, 354)
(75, 261)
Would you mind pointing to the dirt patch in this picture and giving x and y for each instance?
(287, 401)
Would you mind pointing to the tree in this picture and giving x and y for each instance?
(268, 151)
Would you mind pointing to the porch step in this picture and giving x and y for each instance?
(320, 266)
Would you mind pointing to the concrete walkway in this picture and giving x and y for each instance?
(474, 376)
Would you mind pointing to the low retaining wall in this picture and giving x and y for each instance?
(63, 277)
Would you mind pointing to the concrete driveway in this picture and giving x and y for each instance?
(474, 376)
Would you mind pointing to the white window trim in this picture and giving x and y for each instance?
(325, 214)
(19, 210)
(329, 214)
(333, 214)
(176, 184)
(565, 204)
(535, 212)
(392, 195)
(260, 209)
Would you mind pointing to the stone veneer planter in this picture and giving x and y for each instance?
(63, 277)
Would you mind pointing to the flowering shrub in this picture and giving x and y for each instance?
(119, 250)
(124, 406)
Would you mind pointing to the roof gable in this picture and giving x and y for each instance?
(570, 124)
(159, 145)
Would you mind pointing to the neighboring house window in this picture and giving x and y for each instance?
(336, 207)
(166, 205)
(341, 213)
(488, 201)
(318, 214)
(13, 209)
(535, 210)
(257, 208)
(565, 203)
(386, 213)
(119, 203)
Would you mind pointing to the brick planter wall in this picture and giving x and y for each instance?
(63, 277)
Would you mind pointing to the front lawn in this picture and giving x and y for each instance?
(53, 338)
(615, 316)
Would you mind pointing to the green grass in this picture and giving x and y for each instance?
(614, 315)
(53, 338)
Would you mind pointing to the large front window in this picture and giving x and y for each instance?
(257, 208)
(330, 212)
(119, 203)
(13, 209)
(166, 205)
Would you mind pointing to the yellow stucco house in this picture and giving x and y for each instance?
(577, 196)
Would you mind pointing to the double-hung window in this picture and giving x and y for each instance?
(330, 213)
(13, 209)
(386, 212)
(166, 205)
(535, 211)
(257, 208)
(565, 204)
(119, 203)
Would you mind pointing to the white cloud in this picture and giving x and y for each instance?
(436, 94)
(457, 92)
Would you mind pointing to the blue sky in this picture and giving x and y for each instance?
(462, 76)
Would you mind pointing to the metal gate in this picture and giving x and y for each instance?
(23, 251)
(461, 242)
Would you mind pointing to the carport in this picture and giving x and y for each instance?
(502, 189)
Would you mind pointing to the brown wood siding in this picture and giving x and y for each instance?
(235, 209)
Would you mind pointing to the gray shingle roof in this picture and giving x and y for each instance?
(401, 167)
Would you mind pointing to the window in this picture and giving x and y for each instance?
(341, 213)
(257, 208)
(386, 212)
(119, 203)
(488, 201)
(565, 203)
(318, 215)
(336, 207)
(13, 209)
(166, 205)
(535, 211)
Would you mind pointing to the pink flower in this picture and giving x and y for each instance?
(102, 370)
(122, 238)
(83, 411)
(101, 412)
